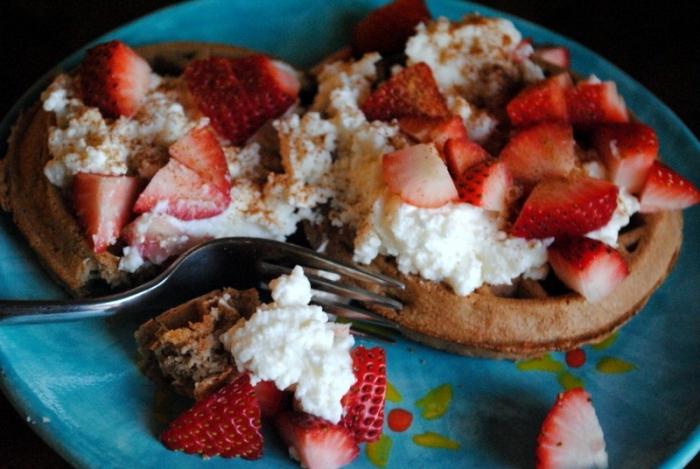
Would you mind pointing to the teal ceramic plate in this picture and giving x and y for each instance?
(78, 386)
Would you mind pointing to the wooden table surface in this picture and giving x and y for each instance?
(651, 42)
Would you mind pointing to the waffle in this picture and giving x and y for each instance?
(39, 209)
(181, 346)
(531, 317)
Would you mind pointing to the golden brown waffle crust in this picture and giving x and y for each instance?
(483, 324)
(40, 210)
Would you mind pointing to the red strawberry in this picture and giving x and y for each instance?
(200, 151)
(226, 423)
(419, 176)
(411, 92)
(433, 129)
(571, 435)
(592, 103)
(239, 95)
(587, 266)
(486, 185)
(160, 240)
(558, 56)
(542, 151)
(114, 78)
(628, 150)
(565, 208)
(181, 192)
(542, 101)
(316, 443)
(523, 50)
(461, 154)
(103, 205)
(386, 29)
(272, 401)
(667, 190)
(363, 405)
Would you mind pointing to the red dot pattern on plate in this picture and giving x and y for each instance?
(575, 358)
(399, 420)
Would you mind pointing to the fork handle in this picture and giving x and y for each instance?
(23, 312)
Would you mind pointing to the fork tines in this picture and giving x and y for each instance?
(343, 299)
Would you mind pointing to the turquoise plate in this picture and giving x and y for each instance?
(78, 386)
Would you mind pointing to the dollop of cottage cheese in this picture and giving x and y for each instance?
(293, 344)
(84, 141)
(627, 205)
(459, 244)
(474, 57)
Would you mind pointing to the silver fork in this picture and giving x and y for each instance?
(228, 262)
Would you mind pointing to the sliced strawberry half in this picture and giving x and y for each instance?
(240, 94)
(183, 193)
(587, 266)
(566, 208)
(461, 154)
(540, 102)
(272, 401)
(628, 150)
(419, 176)
(665, 189)
(315, 442)
(226, 423)
(433, 129)
(386, 29)
(200, 151)
(485, 185)
(571, 435)
(590, 103)
(103, 205)
(114, 78)
(411, 92)
(557, 55)
(160, 239)
(542, 151)
(363, 404)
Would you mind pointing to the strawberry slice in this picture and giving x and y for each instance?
(316, 443)
(628, 150)
(272, 401)
(587, 266)
(114, 78)
(200, 151)
(542, 101)
(226, 423)
(461, 154)
(160, 239)
(665, 189)
(542, 151)
(590, 103)
(566, 208)
(386, 29)
(433, 129)
(240, 94)
(419, 176)
(181, 192)
(485, 185)
(571, 435)
(411, 92)
(363, 404)
(103, 205)
(557, 55)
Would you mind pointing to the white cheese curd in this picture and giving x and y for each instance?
(293, 344)
(473, 57)
(84, 141)
(459, 244)
(627, 205)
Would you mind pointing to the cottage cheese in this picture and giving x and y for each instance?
(293, 344)
(627, 205)
(83, 141)
(474, 58)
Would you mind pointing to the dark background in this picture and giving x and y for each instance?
(654, 42)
